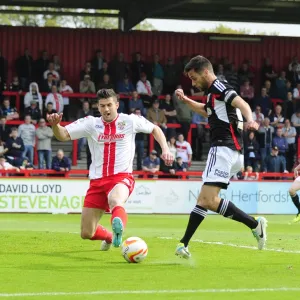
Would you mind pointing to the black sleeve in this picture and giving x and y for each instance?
(228, 95)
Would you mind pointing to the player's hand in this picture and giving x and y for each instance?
(54, 119)
(252, 125)
(167, 157)
(180, 94)
(296, 170)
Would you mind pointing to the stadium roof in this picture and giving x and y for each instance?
(134, 11)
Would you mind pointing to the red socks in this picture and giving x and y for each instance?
(102, 234)
(119, 211)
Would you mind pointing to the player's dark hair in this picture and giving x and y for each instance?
(106, 94)
(198, 64)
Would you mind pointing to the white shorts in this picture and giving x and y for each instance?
(222, 164)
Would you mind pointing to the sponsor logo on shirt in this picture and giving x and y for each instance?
(220, 173)
(209, 112)
(99, 126)
(111, 137)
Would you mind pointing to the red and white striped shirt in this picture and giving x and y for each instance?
(112, 145)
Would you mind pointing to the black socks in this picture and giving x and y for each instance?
(296, 202)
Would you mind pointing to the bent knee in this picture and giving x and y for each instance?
(292, 192)
(207, 202)
(86, 235)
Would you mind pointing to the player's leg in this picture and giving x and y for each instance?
(116, 200)
(295, 198)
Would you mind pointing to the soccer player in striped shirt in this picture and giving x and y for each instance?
(111, 139)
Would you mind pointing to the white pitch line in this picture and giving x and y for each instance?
(236, 246)
(208, 291)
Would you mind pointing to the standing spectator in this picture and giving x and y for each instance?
(247, 92)
(49, 110)
(280, 142)
(44, 135)
(265, 140)
(58, 67)
(257, 115)
(87, 86)
(33, 95)
(277, 119)
(144, 89)
(26, 132)
(296, 121)
(119, 69)
(11, 113)
(65, 88)
(290, 133)
(138, 67)
(15, 85)
(51, 70)
(267, 71)
(170, 76)
(125, 87)
(60, 162)
(281, 86)
(157, 116)
(24, 66)
(41, 65)
(4, 129)
(244, 73)
(15, 146)
(151, 163)
(296, 94)
(139, 144)
(221, 73)
(288, 106)
(158, 76)
(232, 77)
(56, 99)
(252, 151)
(97, 62)
(3, 67)
(136, 103)
(264, 102)
(170, 113)
(48, 83)
(33, 111)
(184, 150)
(184, 115)
(102, 72)
(294, 62)
(82, 113)
(87, 71)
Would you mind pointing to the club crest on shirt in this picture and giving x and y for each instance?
(209, 112)
(121, 125)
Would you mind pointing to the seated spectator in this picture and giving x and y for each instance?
(275, 163)
(44, 136)
(33, 95)
(3, 149)
(121, 108)
(184, 150)
(269, 88)
(232, 77)
(200, 136)
(105, 83)
(58, 67)
(257, 115)
(265, 133)
(170, 169)
(139, 144)
(102, 72)
(170, 112)
(4, 165)
(33, 111)
(180, 166)
(136, 103)
(151, 163)
(294, 74)
(60, 162)
(65, 88)
(26, 165)
(244, 73)
(172, 146)
(277, 119)
(4, 129)
(144, 89)
(87, 71)
(157, 76)
(51, 70)
(125, 86)
(280, 142)
(157, 116)
(15, 146)
(87, 86)
(294, 62)
(264, 101)
(48, 83)
(281, 86)
(296, 94)
(249, 175)
(15, 85)
(247, 92)
(289, 133)
(220, 73)
(26, 132)
(56, 99)
(118, 68)
(49, 110)
(252, 151)
(11, 113)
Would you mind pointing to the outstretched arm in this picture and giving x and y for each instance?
(193, 105)
(59, 131)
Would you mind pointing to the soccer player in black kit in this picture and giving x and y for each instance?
(224, 110)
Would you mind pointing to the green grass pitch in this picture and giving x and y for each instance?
(43, 257)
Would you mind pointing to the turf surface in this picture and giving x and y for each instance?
(44, 254)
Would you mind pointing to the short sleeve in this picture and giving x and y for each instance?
(80, 128)
(140, 124)
(189, 148)
(229, 95)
